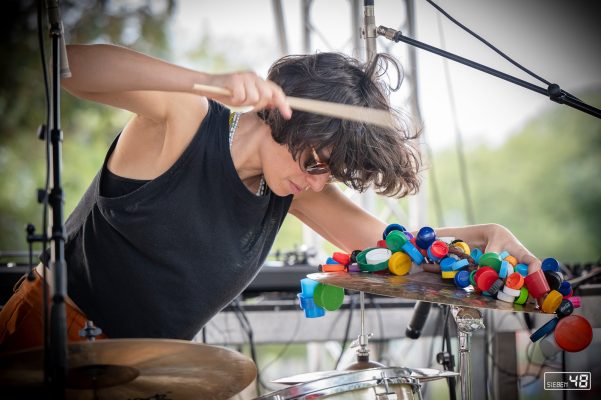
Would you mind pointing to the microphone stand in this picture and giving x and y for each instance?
(58, 362)
(554, 92)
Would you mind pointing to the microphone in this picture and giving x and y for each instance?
(369, 29)
(418, 320)
(55, 22)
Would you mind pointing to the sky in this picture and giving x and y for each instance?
(557, 40)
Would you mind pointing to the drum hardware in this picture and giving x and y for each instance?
(90, 331)
(468, 321)
(362, 343)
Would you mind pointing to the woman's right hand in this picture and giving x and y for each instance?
(248, 89)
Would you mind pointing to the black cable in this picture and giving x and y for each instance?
(245, 325)
(346, 330)
(487, 43)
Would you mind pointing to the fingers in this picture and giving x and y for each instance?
(247, 89)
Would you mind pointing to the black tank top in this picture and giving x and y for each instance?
(161, 260)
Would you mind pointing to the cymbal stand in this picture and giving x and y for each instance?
(468, 321)
(362, 343)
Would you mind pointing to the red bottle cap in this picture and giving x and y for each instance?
(439, 249)
(486, 280)
(342, 258)
(480, 270)
(537, 284)
(382, 244)
(573, 333)
(515, 281)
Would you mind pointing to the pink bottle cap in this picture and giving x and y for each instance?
(575, 301)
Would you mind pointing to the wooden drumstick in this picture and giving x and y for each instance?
(344, 111)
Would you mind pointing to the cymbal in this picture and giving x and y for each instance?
(423, 286)
(133, 369)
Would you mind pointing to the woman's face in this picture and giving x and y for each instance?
(286, 176)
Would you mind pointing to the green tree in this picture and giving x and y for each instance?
(88, 127)
(543, 184)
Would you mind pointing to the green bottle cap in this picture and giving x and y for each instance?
(328, 297)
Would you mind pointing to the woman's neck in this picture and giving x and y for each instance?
(249, 135)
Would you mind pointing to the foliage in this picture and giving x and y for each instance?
(543, 184)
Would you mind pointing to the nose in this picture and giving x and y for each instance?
(317, 182)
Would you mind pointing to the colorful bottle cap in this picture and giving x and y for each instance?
(312, 310)
(472, 280)
(503, 271)
(503, 254)
(342, 258)
(554, 279)
(378, 255)
(448, 274)
(392, 227)
(408, 234)
(565, 308)
(399, 263)
(461, 264)
(446, 264)
(536, 283)
(511, 260)
(544, 330)
(515, 281)
(522, 269)
(511, 292)
(476, 253)
(425, 237)
(354, 267)
(523, 297)
(573, 333)
(480, 270)
(308, 286)
(490, 259)
(422, 251)
(495, 287)
(333, 268)
(395, 241)
(354, 255)
(462, 279)
(565, 288)
(550, 264)
(575, 301)
(551, 302)
(485, 280)
(462, 246)
(382, 243)
(328, 297)
(438, 249)
(365, 266)
(413, 252)
(505, 297)
(330, 260)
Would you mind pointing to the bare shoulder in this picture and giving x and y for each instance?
(147, 146)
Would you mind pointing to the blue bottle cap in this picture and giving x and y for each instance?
(462, 279)
(504, 268)
(446, 264)
(544, 330)
(476, 253)
(461, 264)
(565, 288)
(550, 264)
(503, 254)
(425, 237)
(312, 310)
(413, 252)
(330, 261)
(522, 269)
(308, 286)
(432, 257)
(392, 227)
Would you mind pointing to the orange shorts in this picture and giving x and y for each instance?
(21, 318)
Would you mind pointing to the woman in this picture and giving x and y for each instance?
(188, 202)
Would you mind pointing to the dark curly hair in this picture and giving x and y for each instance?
(362, 154)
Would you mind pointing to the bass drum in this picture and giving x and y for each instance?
(368, 384)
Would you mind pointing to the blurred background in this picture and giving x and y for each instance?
(493, 151)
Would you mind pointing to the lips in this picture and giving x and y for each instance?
(295, 189)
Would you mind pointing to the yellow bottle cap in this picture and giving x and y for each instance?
(552, 302)
(399, 263)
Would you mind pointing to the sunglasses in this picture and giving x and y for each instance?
(318, 167)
